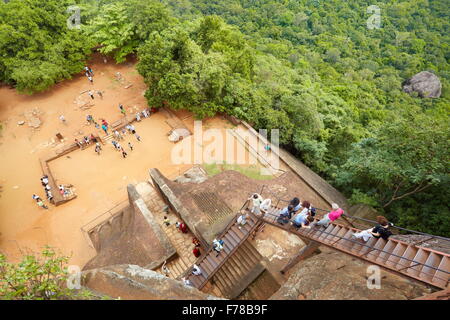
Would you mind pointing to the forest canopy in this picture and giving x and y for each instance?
(311, 68)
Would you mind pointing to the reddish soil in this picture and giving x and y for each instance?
(100, 181)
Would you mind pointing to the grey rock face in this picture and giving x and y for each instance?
(425, 83)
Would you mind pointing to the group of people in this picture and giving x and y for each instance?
(144, 113)
(118, 147)
(131, 129)
(48, 192)
(139, 115)
(301, 215)
(86, 141)
(303, 212)
(90, 120)
(91, 94)
(181, 226)
(47, 188)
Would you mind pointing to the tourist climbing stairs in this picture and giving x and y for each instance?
(416, 262)
(238, 259)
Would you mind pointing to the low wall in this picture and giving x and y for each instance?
(132, 235)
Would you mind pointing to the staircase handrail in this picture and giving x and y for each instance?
(358, 242)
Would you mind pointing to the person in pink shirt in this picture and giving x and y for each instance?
(331, 216)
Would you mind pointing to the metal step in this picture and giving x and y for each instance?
(442, 276)
(416, 266)
(387, 249)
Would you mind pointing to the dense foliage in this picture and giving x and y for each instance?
(311, 68)
(334, 88)
(37, 49)
(41, 277)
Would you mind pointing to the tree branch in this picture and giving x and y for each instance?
(419, 188)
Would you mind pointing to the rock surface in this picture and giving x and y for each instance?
(425, 83)
(335, 276)
(131, 282)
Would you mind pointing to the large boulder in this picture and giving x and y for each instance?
(332, 275)
(131, 282)
(425, 83)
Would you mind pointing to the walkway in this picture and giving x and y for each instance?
(181, 241)
(211, 261)
(419, 263)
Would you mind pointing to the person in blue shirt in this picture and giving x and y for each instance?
(285, 214)
(296, 203)
(302, 221)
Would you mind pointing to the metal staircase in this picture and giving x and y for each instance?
(243, 260)
(419, 263)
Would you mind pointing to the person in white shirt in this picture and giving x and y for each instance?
(265, 205)
(257, 200)
(186, 282)
(196, 271)
(242, 219)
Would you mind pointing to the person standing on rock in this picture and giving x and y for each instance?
(124, 154)
(91, 94)
(105, 128)
(62, 118)
(122, 110)
(130, 146)
(78, 143)
(36, 197)
(41, 204)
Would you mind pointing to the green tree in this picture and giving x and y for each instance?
(37, 49)
(37, 278)
(403, 158)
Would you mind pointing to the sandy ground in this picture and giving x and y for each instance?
(100, 181)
